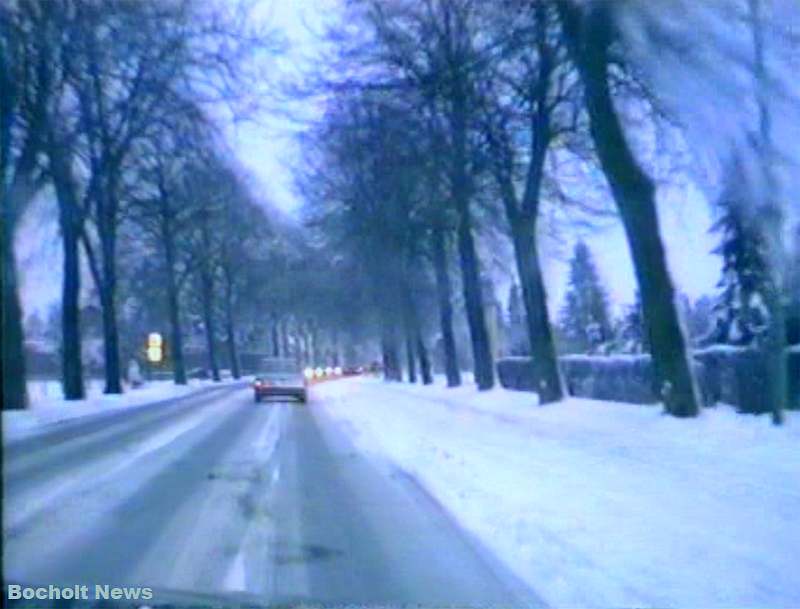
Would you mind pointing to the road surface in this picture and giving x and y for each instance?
(216, 494)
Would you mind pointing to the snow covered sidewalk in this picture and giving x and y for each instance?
(598, 503)
(48, 407)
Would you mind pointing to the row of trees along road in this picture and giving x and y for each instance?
(107, 104)
(443, 123)
(435, 112)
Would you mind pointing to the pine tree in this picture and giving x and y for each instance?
(700, 317)
(585, 320)
(739, 312)
(633, 332)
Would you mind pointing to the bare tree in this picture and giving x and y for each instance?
(589, 32)
(769, 224)
(527, 104)
(444, 297)
(134, 65)
(71, 218)
(362, 194)
(26, 33)
(433, 47)
(165, 210)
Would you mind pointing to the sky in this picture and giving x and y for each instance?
(267, 147)
(685, 222)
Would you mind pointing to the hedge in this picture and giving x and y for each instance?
(733, 375)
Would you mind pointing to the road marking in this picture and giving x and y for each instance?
(255, 540)
(235, 580)
(267, 440)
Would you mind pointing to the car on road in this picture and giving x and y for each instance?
(279, 377)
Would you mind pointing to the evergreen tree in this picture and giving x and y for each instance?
(739, 312)
(585, 320)
(699, 318)
(793, 272)
(632, 331)
(793, 292)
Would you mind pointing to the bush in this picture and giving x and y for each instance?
(626, 378)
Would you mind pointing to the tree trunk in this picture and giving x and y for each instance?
(337, 356)
(15, 193)
(473, 299)
(284, 330)
(13, 341)
(634, 192)
(404, 297)
(305, 348)
(113, 372)
(419, 347)
(301, 346)
(16, 196)
(473, 302)
(230, 332)
(773, 347)
(424, 361)
(108, 287)
(415, 346)
(208, 322)
(71, 356)
(774, 342)
(391, 358)
(540, 337)
(410, 355)
(313, 356)
(275, 337)
(233, 352)
(207, 294)
(443, 292)
(173, 304)
(522, 217)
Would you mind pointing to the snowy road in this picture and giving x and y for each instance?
(216, 494)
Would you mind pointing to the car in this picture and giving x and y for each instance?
(279, 377)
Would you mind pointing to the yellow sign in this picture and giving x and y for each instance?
(155, 347)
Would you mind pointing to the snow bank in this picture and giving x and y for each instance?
(47, 405)
(598, 503)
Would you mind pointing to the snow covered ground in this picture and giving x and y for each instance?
(598, 503)
(48, 406)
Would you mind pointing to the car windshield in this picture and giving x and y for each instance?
(426, 303)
